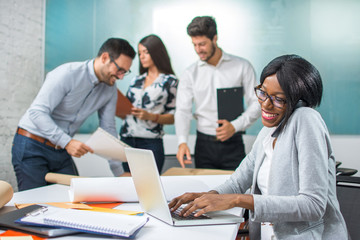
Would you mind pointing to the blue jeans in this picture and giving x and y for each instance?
(154, 144)
(32, 160)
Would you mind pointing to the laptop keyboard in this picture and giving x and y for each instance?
(176, 215)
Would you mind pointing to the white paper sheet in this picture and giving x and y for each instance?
(109, 189)
(107, 146)
(114, 189)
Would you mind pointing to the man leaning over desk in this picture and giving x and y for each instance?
(71, 92)
(216, 147)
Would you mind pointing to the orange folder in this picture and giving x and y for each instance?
(14, 234)
(123, 105)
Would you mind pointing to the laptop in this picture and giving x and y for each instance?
(152, 198)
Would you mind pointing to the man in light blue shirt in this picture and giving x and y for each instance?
(71, 92)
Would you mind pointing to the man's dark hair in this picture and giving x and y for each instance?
(158, 53)
(202, 26)
(299, 79)
(117, 46)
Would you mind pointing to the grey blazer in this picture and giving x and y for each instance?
(301, 200)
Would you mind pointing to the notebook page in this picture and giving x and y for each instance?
(97, 222)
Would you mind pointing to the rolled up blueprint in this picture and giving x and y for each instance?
(6, 193)
(104, 189)
(122, 189)
(59, 178)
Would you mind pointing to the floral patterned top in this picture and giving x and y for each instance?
(158, 98)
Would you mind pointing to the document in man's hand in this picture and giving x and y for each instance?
(107, 146)
(86, 221)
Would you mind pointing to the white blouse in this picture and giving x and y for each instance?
(267, 231)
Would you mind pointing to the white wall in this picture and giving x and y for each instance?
(346, 149)
(21, 69)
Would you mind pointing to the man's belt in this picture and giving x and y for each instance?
(206, 137)
(25, 133)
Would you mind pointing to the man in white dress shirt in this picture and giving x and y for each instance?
(219, 143)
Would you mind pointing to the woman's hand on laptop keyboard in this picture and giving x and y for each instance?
(211, 201)
(187, 198)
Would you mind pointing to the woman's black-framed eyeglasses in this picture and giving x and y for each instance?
(262, 96)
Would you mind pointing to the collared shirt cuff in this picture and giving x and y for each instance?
(182, 139)
(236, 126)
(63, 141)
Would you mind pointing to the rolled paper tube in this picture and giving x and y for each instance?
(59, 178)
(6, 193)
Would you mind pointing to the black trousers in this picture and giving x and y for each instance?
(213, 154)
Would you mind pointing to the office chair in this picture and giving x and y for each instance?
(243, 232)
(344, 171)
(348, 193)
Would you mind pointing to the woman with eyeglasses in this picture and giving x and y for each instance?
(152, 94)
(290, 170)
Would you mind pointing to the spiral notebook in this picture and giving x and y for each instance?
(86, 221)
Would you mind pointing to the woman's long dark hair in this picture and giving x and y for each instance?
(158, 53)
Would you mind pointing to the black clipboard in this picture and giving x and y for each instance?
(230, 103)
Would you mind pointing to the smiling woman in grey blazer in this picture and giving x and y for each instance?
(290, 170)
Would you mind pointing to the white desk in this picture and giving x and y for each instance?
(154, 229)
